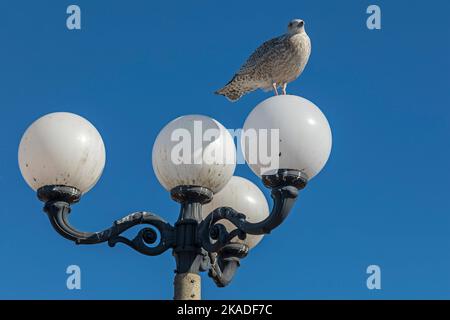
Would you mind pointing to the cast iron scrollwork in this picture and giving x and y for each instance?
(57, 206)
(224, 254)
(224, 264)
(199, 245)
(214, 235)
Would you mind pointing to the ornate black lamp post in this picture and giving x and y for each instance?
(62, 155)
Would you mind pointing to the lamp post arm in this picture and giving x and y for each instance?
(284, 198)
(225, 263)
(58, 215)
(57, 206)
(222, 272)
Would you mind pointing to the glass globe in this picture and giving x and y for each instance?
(61, 148)
(286, 132)
(194, 150)
(244, 197)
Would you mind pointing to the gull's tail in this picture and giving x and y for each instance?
(236, 88)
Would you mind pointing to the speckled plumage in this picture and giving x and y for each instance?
(275, 63)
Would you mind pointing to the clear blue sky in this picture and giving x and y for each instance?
(382, 199)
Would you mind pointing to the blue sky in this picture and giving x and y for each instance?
(382, 199)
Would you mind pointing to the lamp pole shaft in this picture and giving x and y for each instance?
(187, 286)
(188, 249)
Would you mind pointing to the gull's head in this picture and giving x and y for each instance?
(296, 26)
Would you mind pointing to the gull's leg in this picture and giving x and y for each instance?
(274, 86)
(283, 88)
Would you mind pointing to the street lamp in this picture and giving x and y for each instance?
(243, 196)
(62, 155)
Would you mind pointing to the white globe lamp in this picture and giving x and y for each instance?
(194, 150)
(286, 132)
(61, 149)
(245, 197)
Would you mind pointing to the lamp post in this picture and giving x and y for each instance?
(62, 155)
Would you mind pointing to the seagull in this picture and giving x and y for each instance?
(274, 64)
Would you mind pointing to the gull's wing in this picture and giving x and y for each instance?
(263, 53)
